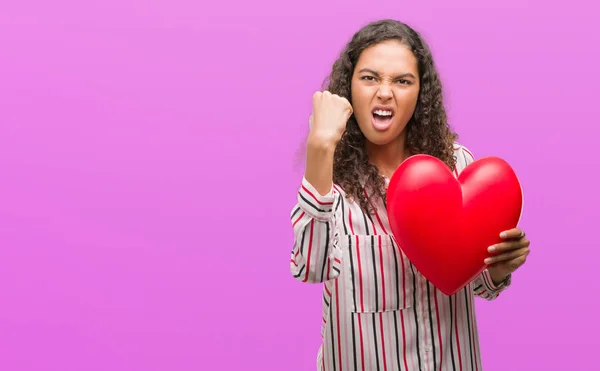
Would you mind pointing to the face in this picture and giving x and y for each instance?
(385, 88)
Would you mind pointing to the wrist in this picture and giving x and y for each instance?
(319, 163)
(321, 143)
(497, 279)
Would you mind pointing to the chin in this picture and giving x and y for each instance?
(380, 138)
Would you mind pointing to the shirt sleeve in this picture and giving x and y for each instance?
(316, 255)
(484, 287)
(467, 156)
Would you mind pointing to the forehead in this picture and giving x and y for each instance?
(388, 57)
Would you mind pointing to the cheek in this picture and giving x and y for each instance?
(358, 91)
(360, 101)
(408, 99)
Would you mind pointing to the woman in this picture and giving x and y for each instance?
(383, 104)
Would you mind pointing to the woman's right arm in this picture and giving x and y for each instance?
(316, 256)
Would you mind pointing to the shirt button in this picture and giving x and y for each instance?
(428, 349)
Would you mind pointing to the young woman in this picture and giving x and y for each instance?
(383, 104)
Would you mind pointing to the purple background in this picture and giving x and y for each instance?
(147, 172)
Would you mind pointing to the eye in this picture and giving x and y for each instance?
(368, 78)
(404, 82)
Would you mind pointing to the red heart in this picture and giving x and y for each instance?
(443, 224)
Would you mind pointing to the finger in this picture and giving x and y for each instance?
(315, 99)
(513, 262)
(516, 263)
(349, 108)
(310, 121)
(512, 234)
(508, 246)
(524, 251)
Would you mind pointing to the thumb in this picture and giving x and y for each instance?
(349, 110)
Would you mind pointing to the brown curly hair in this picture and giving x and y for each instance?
(427, 132)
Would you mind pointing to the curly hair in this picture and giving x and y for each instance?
(427, 132)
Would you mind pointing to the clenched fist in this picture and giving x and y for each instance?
(330, 115)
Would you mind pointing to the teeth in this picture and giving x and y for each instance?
(383, 113)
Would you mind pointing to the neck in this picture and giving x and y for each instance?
(387, 158)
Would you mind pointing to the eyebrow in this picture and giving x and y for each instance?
(397, 77)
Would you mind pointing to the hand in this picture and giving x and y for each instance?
(330, 115)
(508, 256)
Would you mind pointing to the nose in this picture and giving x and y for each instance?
(384, 92)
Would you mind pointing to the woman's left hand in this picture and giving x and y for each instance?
(508, 255)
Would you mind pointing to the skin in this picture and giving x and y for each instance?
(386, 74)
(508, 255)
(327, 124)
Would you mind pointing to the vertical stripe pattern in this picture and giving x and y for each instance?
(379, 312)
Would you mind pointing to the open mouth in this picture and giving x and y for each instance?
(382, 117)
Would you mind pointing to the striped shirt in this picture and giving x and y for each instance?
(379, 312)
